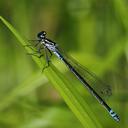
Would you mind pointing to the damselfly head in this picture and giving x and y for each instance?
(41, 35)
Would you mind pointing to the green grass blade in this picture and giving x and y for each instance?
(71, 96)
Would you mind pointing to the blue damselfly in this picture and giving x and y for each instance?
(49, 46)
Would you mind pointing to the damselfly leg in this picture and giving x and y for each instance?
(47, 58)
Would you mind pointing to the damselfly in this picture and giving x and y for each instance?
(51, 47)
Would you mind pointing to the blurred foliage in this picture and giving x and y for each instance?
(92, 31)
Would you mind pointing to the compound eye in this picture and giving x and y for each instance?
(41, 35)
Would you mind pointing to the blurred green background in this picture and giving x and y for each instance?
(94, 32)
